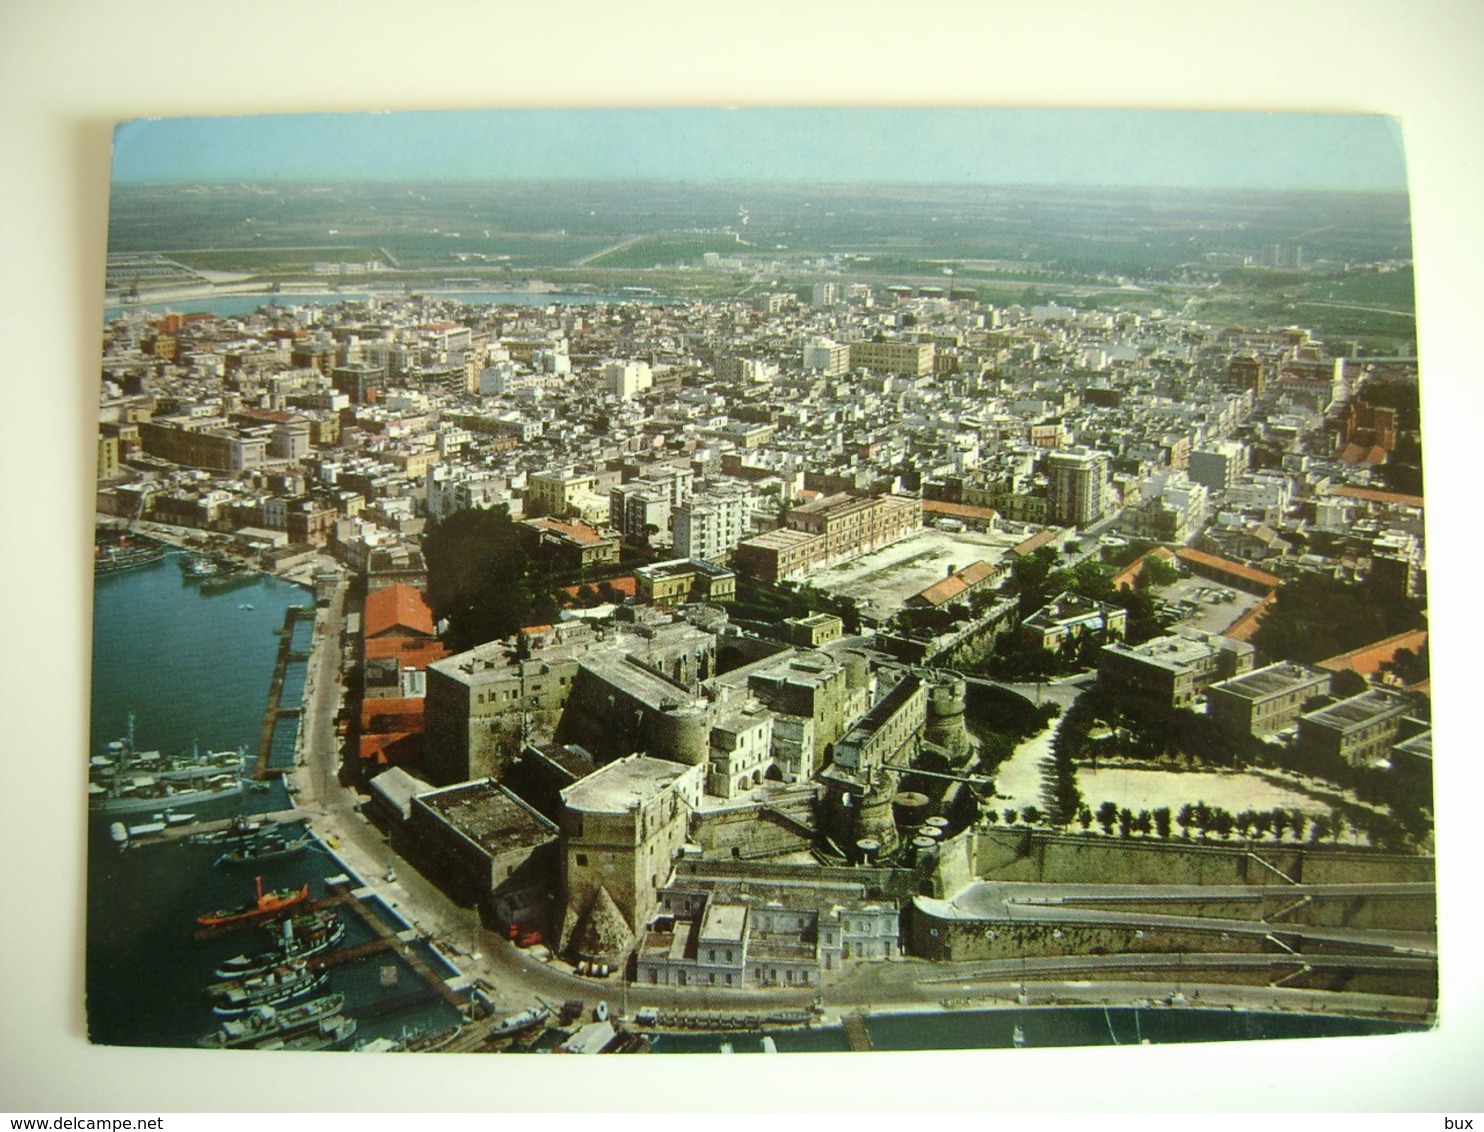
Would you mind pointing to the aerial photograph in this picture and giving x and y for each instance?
(758, 581)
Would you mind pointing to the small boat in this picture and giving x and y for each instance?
(264, 906)
(515, 1023)
(263, 849)
(245, 605)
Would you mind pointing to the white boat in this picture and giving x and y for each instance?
(518, 1022)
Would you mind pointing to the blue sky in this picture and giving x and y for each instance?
(941, 146)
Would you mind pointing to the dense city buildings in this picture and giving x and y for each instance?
(806, 570)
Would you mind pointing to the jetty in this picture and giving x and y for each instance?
(274, 711)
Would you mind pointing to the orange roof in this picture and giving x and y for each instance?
(1036, 542)
(394, 746)
(1244, 626)
(1367, 659)
(627, 586)
(578, 532)
(398, 607)
(1126, 577)
(960, 581)
(1235, 569)
(382, 716)
(409, 652)
(958, 510)
(1371, 495)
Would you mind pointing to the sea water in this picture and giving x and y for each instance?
(193, 669)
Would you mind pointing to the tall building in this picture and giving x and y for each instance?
(1219, 465)
(712, 523)
(912, 358)
(1077, 489)
(621, 827)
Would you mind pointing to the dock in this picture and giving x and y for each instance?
(856, 1033)
(275, 709)
(386, 939)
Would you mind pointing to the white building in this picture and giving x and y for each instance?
(711, 524)
(627, 379)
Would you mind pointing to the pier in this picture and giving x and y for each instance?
(856, 1033)
(388, 940)
(274, 710)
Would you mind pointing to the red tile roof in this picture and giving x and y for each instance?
(1126, 577)
(1244, 626)
(409, 652)
(1371, 495)
(627, 586)
(958, 510)
(578, 532)
(1235, 569)
(383, 716)
(398, 608)
(1367, 659)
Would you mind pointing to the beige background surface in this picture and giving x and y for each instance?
(69, 70)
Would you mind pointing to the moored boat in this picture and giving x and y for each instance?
(271, 848)
(268, 1023)
(295, 944)
(265, 906)
(272, 988)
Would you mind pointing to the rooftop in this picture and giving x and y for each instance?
(489, 815)
(1357, 711)
(1274, 679)
(621, 786)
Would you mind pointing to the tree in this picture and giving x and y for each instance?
(1346, 683)
(1125, 821)
(481, 578)
(1010, 816)
(1162, 822)
(1031, 815)
(1107, 815)
(1084, 818)
(1185, 819)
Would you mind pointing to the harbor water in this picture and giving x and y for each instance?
(193, 669)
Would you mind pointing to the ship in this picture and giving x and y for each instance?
(263, 1025)
(265, 906)
(114, 558)
(296, 943)
(324, 1034)
(194, 567)
(125, 779)
(271, 848)
(272, 988)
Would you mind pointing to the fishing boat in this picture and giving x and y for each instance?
(265, 906)
(265, 1024)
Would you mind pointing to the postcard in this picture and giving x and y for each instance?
(762, 580)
